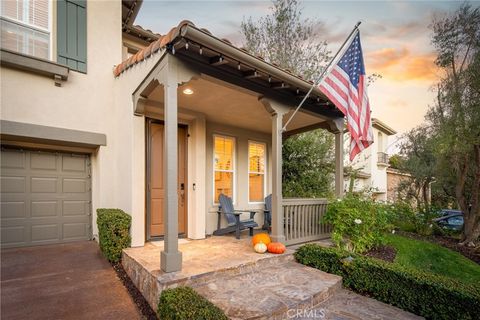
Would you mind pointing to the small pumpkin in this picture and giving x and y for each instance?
(276, 247)
(261, 237)
(260, 247)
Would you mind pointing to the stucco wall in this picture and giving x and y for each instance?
(84, 102)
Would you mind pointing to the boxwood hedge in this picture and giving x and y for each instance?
(183, 303)
(113, 232)
(428, 295)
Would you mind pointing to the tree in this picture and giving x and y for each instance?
(418, 158)
(284, 38)
(308, 163)
(455, 117)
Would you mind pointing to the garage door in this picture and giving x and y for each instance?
(45, 198)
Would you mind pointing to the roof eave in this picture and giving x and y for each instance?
(383, 127)
(189, 32)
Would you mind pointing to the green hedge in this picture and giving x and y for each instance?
(183, 303)
(113, 232)
(424, 294)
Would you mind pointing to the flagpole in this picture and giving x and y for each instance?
(321, 76)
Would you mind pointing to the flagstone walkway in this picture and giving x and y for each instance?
(247, 285)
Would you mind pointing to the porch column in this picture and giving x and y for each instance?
(170, 257)
(277, 110)
(339, 179)
(278, 234)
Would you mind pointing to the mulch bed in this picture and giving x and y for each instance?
(142, 304)
(447, 242)
(386, 253)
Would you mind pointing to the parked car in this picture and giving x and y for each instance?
(448, 212)
(452, 221)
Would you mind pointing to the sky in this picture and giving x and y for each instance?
(395, 39)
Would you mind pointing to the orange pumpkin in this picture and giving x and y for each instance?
(261, 237)
(276, 247)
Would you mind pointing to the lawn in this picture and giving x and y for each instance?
(433, 258)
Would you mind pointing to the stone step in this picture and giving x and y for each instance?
(266, 261)
(270, 291)
(347, 305)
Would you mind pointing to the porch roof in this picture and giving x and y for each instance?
(190, 42)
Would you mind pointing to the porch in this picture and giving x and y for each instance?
(211, 89)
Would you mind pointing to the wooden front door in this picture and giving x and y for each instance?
(156, 194)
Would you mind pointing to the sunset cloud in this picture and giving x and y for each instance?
(401, 64)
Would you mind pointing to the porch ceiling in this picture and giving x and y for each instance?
(227, 104)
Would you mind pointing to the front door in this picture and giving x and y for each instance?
(156, 192)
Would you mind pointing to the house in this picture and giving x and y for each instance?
(401, 187)
(368, 171)
(97, 112)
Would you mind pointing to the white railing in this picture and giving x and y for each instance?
(303, 220)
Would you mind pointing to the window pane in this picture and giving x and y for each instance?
(256, 153)
(223, 184)
(24, 40)
(224, 153)
(38, 13)
(13, 9)
(256, 184)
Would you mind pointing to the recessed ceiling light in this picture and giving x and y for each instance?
(188, 91)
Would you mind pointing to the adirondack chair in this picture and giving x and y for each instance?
(267, 213)
(233, 218)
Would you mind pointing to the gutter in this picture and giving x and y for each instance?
(192, 33)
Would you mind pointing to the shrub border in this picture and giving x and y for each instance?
(428, 295)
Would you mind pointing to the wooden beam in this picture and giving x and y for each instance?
(218, 61)
(280, 85)
(251, 74)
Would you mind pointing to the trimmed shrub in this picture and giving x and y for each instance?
(113, 232)
(183, 303)
(358, 224)
(428, 295)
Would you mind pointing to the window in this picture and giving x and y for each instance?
(25, 27)
(380, 142)
(256, 171)
(223, 166)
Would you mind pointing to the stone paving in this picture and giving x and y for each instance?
(248, 285)
(347, 305)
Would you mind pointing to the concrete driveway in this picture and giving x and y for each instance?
(65, 281)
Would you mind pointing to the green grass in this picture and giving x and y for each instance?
(426, 256)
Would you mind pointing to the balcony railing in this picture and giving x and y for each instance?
(303, 220)
(382, 158)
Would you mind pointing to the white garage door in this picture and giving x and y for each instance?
(45, 198)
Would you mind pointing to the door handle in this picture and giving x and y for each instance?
(182, 186)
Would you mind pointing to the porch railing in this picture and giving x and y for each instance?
(302, 220)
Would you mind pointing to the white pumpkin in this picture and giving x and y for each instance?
(260, 247)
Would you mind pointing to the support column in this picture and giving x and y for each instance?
(277, 110)
(339, 179)
(170, 257)
(278, 234)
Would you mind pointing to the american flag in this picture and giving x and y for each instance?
(346, 87)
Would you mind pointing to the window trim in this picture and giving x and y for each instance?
(234, 171)
(264, 173)
(48, 31)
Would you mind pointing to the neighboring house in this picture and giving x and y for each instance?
(395, 178)
(369, 169)
(400, 187)
(99, 113)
